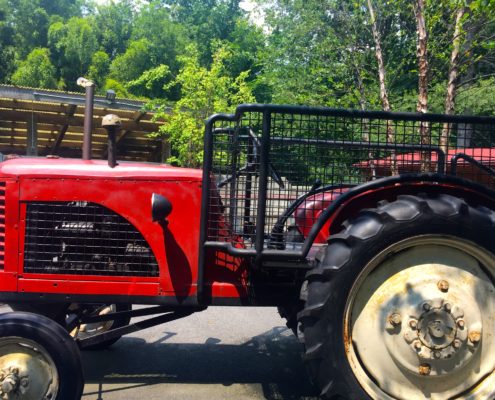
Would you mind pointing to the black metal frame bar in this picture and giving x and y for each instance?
(471, 160)
(170, 314)
(141, 312)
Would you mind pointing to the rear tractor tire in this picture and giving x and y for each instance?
(38, 359)
(402, 303)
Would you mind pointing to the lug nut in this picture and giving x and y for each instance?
(461, 324)
(395, 319)
(437, 354)
(443, 285)
(417, 345)
(447, 307)
(426, 307)
(413, 324)
(456, 344)
(475, 337)
(425, 369)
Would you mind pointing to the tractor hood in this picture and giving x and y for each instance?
(75, 168)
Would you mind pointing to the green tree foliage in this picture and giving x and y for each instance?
(113, 23)
(165, 39)
(98, 70)
(29, 22)
(36, 71)
(206, 21)
(7, 49)
(62, 8)
(119, 88)
(302, 44)
(130, 65)
(319, 52)
(73, 44)
(203, 90)
(151, 83)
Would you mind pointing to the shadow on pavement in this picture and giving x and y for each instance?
(271, 360)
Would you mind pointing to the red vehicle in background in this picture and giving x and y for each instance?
(380, 255)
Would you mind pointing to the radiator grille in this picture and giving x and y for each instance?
(2, 224)
(86, 239)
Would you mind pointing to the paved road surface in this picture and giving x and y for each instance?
(222, 353)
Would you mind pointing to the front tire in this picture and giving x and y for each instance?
(61, 313)
(401, 304)
(38, 359)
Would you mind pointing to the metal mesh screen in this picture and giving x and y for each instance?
(312, 155)
(86, 239)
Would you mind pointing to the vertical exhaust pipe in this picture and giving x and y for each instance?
(111, 123)
(88, 116)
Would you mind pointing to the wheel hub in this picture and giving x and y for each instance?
(420, 323)
(26, 372)
(437, 329)
(438, 333)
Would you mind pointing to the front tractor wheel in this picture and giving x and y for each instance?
(38, 359)
(402, 303)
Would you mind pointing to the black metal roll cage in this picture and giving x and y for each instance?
(277, 251)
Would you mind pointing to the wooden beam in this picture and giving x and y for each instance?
(166, 150)
(70, 113)
(138, 115)
(32, 136)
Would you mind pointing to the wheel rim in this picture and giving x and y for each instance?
(419, 321)
(27, 371)
(87, 330)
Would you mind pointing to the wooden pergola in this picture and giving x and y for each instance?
(38, 122)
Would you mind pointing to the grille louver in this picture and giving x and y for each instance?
(86, 239)
(2, 224)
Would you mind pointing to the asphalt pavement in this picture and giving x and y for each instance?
(221, 353)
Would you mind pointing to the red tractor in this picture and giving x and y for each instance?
(380, 254)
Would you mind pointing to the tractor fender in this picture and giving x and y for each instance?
(367, 195)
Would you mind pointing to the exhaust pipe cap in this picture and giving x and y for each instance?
(84, 82)
(111, 120)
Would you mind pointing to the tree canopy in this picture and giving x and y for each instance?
(203, 56)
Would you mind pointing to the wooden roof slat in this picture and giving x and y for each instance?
(32, 106)
(60, 119)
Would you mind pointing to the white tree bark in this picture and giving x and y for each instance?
(383, 83)
(453, 76)
(422, 105)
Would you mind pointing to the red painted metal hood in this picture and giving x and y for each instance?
(75, 168)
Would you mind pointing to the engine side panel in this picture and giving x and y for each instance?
(174, 245)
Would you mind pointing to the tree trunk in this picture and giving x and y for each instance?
(383, 83)
(366, 124)
(422, 105)
(452, 81)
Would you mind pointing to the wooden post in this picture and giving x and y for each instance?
(165, 150)
(32, 136)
